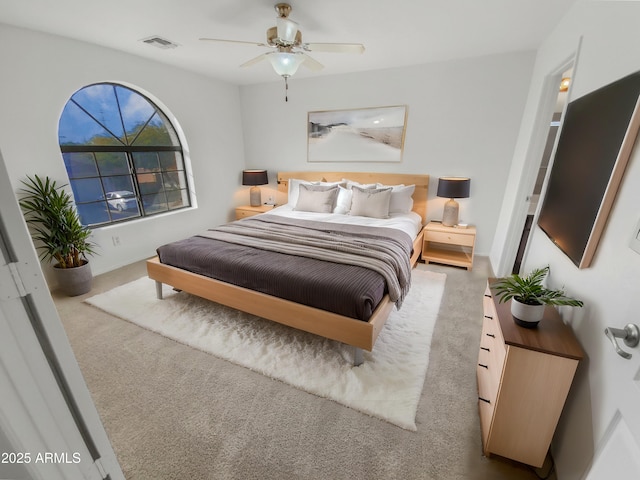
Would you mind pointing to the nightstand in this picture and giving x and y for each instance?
(245, 211)
(448, 245)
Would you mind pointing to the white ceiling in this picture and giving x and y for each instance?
(394, 32)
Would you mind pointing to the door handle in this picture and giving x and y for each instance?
(630, 334)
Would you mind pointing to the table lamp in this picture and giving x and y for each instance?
(254, 178)
(452, 187)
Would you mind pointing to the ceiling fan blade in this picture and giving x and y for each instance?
(255, 60)
(311, 63)
(334, 47)
(255, 44)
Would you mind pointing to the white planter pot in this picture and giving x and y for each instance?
(527, 316)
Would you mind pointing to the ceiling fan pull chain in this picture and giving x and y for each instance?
(286, 89)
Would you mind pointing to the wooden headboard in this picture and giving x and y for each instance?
(420, 181)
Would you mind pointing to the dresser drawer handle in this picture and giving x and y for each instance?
(490, 335)
(483, 366)
(485, 348)
(484, 400)
(489, 317)
(487, 295)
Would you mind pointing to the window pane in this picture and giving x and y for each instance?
(87, 190)
(117, 215)
(171, 160)
(112, 163)
(136, 111)
(154, 203)
(156, 133)
(119, 182)
(80, 165)
(93, 213)
(149, 183)
(100, 101)
(172, 181)
(78, 128)
(122, 204)
(146, 162)
(171, 132)
(177, 199)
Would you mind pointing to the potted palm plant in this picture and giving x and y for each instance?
(58, 233)
(529, 296)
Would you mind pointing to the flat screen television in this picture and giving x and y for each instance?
(596, 139)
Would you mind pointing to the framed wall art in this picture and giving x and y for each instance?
(597, 136)
(373, 134)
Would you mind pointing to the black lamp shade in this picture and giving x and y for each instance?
(453, 187)
(254, 177)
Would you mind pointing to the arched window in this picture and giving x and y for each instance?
(122, 155)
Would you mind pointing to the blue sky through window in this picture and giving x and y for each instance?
(107, 115)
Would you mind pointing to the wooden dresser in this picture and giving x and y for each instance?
(524, 376)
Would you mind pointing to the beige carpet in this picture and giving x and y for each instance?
(174, 412)
(386, 386)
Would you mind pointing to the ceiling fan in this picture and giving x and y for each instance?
(288, 49)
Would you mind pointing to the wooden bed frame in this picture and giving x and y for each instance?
(359, 334)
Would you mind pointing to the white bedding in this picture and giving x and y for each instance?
(410, 223)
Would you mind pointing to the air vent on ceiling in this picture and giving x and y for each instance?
(159, 42)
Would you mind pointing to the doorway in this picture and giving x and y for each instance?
(534, 197)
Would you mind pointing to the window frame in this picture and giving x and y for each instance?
(129, 151)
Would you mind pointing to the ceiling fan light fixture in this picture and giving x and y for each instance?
(285, 64)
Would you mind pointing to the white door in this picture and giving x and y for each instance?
(618, 455)
(47, 418)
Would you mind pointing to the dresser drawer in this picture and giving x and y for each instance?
(488, 382)
(491, 355)
(451, 238)
(490, 321)
(489, 370)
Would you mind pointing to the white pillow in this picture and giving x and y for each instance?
(329, 184)
(401, 200)
(373, 202)
(350, 184)
(343, 202)
(294, 185)
(316, 198)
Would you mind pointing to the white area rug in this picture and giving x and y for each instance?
(388, 385)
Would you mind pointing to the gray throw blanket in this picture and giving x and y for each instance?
(383, 250)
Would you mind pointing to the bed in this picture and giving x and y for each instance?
(359, 333)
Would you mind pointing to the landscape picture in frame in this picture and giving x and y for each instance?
(362, 135)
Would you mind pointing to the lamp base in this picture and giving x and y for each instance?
(255, 198)
(450, 214)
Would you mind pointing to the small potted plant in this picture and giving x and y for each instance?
(528, 296)
(58, 233)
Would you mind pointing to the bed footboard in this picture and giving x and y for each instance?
(326, 324)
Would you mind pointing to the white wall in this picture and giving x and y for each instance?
(463, 119)
(609, 51)
(40, 73)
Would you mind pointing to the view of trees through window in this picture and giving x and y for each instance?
(122, 155)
